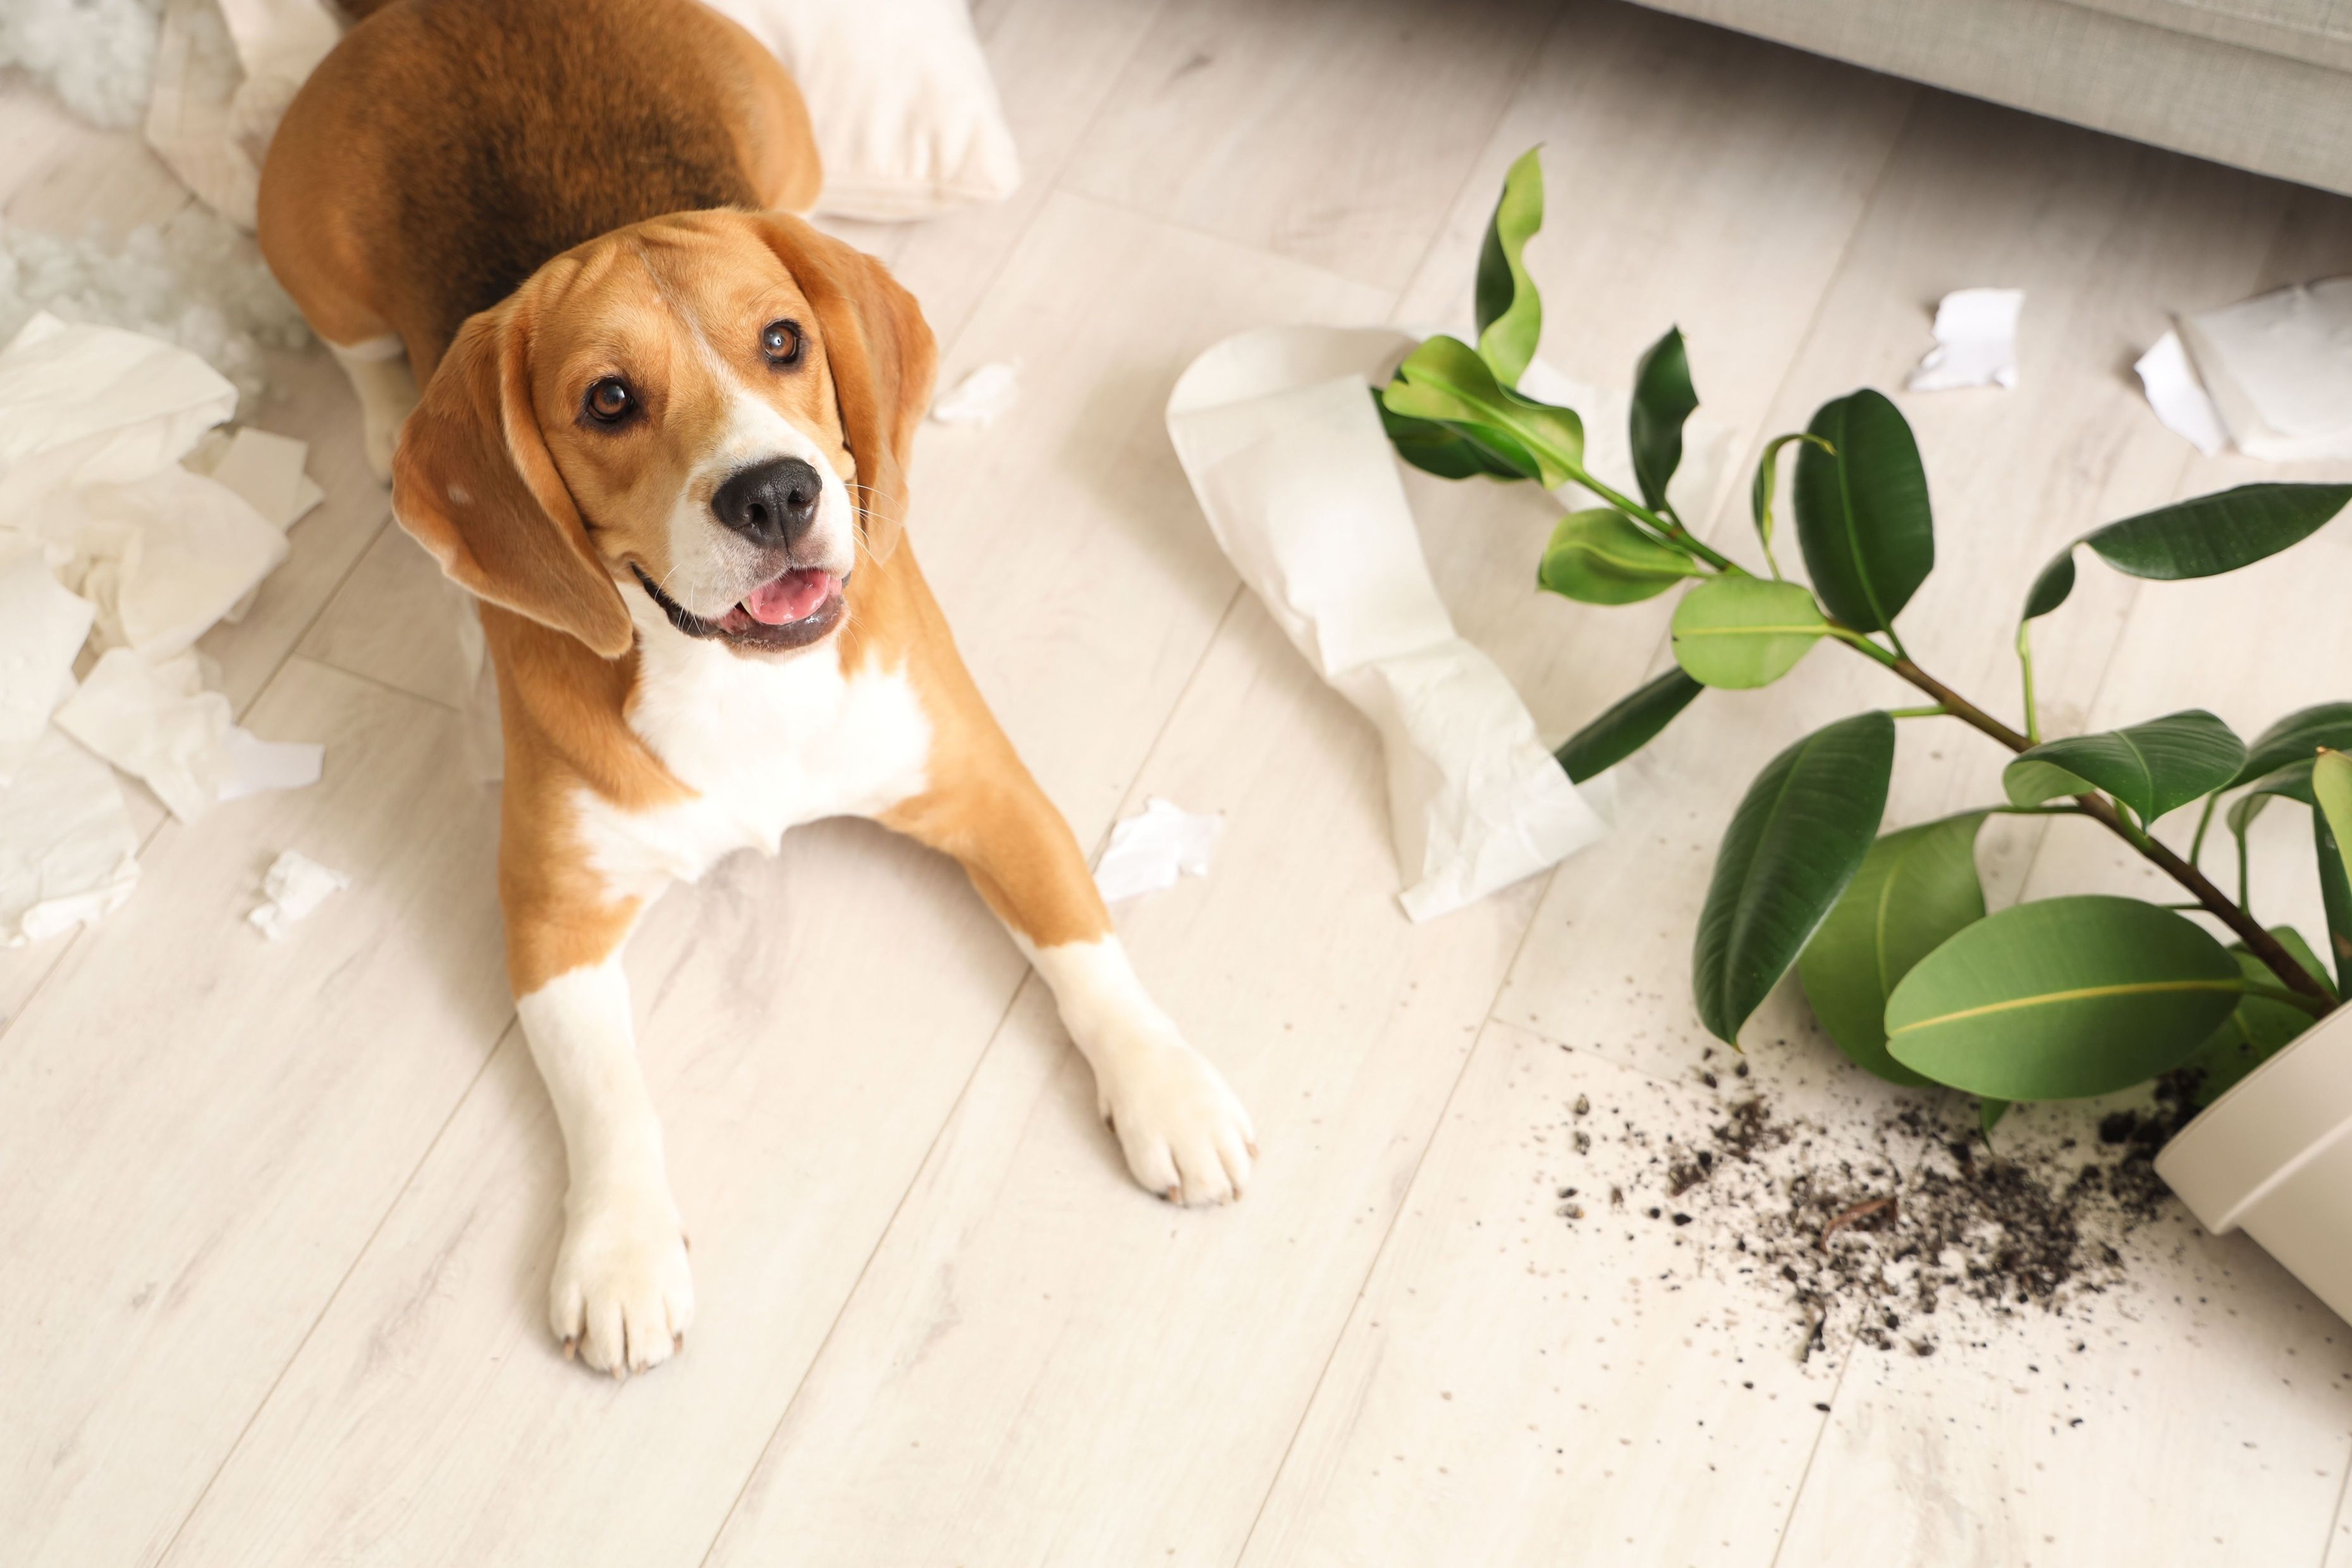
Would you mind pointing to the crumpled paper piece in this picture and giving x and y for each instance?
(979, 397)
(1147, 852)
(2279, 370)
(1276, 431)
(168, 555)
(42, 627)
(1976, 341)
(158, 722)
(224, 76)
(83, 405)
(2178, 397)
(69, 851)
(293, 888)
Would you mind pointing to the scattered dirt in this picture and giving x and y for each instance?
(1902, 1227)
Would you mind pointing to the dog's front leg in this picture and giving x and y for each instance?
(1185, 1134)
(622, 1294)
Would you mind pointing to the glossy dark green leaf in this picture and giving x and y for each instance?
(1662, 398)
(1446, 451)
(1444, 380)
(2063, 998)
(1631, 724)
(1740, 633)
(2296, 739)
(2256, 1027)
(2051, 588)
(1509, 311)
(1604, 557)
(2152, 767)
(1916, 889)
(1801, 833)
(2292, 781)
(1862, 511)
(2217, 533)
(1989, 1114)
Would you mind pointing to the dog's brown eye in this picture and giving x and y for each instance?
(609, 400)
(780, 342)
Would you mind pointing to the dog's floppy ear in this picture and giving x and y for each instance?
(882, 357)
(473, 481)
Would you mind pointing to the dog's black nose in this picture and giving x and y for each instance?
(772, 502)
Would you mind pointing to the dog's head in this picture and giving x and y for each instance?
(712, 409)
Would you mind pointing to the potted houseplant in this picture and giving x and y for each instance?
(2056, 998)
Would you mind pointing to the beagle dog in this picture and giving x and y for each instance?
(662, 438)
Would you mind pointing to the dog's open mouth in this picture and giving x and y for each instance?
(791, 610)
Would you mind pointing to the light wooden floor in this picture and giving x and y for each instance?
(275, 1221)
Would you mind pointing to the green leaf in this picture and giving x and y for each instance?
(2331, 787)
(1862, 512)
(2296, 738)
(2292, 781)
(2335, 896)
(1604, 557)
(2031, 781)
(1662, 399)
(2152, 767)
(2051, 588)
(1631, 724)
(1801, 833)
(1744, 632)
(1444, 380)
(1989, 1114)
(2255, 1028)
(1447, 452)
(1509, 311)
(2217, 533)
(1916, 889)
(2063, 998)
(1768, 480)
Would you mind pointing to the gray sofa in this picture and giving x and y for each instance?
(2263, 84)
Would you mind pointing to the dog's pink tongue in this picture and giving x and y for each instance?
(793, 597)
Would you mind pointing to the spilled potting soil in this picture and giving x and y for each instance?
(1897, 1228)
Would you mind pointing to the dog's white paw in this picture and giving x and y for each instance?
(622, 1295)
(1183, 1131)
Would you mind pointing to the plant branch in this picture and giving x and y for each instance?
(2259, 942)
(2292, 998)
(1681, 537)
(2026, 664)
(2204, 821)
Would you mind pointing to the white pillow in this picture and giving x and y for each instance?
(906, 113)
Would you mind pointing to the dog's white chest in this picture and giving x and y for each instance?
(765, 746)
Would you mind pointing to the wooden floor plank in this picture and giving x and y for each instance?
(199, 1129)
(1336, 134)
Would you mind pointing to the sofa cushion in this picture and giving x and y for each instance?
(2319, 31)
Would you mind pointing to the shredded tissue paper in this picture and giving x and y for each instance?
(1976, 341)
(1147, 852)
(979, 396)
(1276, 431)
(2279, 368)
(109, 543)
(294, 886)
(2178, 397)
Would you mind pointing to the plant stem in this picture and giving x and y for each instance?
(2204, 821)
(2259, 942)
(1674, 532)
(2025, 663)
(1847, 634)
(1933, 711)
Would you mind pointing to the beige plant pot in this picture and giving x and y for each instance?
(2273, 1158)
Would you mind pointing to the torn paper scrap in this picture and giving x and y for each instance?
(1976, 341)
(1147, 852)
(2178, 397)
(84, 405)
(294, 886)
(979, 397)
(69, 853)
(256, 765)
(267, 470)
(157, 722)
(1276, 431)
(166, 556)
(1609, 447)
(42, 627)
(2279, 369)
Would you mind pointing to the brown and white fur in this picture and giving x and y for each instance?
(521, 203)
